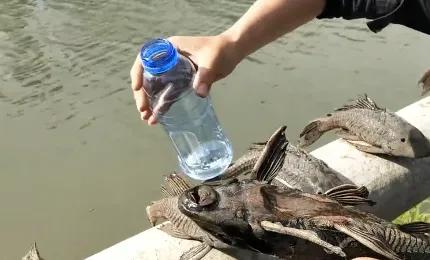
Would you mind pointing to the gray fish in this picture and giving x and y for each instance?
(286, 222)
(33, 253)
(180, 225)
(289, 223)
(370, 129)
(424, 83)
(300, 169)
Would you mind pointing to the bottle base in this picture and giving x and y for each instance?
(208, 162)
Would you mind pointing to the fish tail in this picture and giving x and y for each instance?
(312, 132)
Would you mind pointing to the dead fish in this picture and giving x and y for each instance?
(300, 169)
(180, 226)
(370, 129)
(289, 223)
(33, 254)
(424, 83)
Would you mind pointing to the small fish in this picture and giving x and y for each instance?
(370, 129)
(33, 253)
(289, 223)
(424, 83)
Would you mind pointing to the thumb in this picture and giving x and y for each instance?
(203, 81)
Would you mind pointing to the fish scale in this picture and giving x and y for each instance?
(300, 170)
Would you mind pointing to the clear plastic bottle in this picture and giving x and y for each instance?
(204, 151)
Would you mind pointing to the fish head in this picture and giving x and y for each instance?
(412, 145)
(220, 210)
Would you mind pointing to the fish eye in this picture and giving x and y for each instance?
(202, 196)
(403, 140)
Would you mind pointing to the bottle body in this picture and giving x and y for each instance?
(204, 151)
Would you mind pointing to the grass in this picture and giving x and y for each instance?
(414, 214)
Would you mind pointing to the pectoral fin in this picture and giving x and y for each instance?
(307, 235)
(350, 195)
(367, 148)
(347, 135)
(368, 239)
(197, 252)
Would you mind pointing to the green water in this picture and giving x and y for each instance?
(77, 167)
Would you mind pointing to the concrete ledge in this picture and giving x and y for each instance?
(155, 244)
(395, 184)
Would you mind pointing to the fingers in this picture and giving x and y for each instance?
(142, 104)
(142, 101)
(203, 81)
(152, 120)
(136, 74)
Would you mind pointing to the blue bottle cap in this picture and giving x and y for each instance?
(158, 56)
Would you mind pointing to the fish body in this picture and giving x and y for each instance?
(181, 226)
(237, 211)
(285, 222)
(370, 129)
(307, 173)
(300, 170)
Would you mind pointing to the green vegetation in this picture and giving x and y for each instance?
(415, 214)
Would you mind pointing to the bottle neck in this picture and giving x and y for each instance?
(158, 56)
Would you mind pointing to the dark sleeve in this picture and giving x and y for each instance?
(414, 14)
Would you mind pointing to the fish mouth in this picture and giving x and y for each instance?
(199, 198)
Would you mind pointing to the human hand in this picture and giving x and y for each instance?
(215, 56)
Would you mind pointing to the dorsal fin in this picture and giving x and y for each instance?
(33, 254)
(362, 102)
(350, 195)
(174, 185)
(415, 228)
(272, 157)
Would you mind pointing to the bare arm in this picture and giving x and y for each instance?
(217, 56)
(267, 20)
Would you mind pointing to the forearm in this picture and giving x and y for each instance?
(267, 20)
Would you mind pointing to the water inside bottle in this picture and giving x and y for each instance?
(202, 161)
(208, 161)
